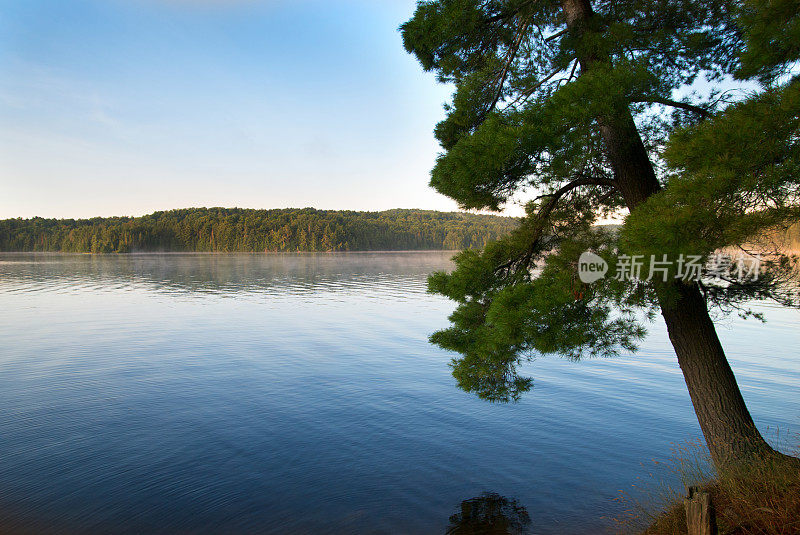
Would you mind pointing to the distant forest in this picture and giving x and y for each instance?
(245, 230)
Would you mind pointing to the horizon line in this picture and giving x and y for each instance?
(467, 212)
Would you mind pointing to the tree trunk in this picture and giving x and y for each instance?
(727, 426)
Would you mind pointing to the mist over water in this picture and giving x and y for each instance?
(297, 393)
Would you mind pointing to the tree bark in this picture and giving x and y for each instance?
(727, 426)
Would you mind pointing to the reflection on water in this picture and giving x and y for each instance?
(489, 514)
(226, 275)
(299, 394)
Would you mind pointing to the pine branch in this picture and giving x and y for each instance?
(703, 112)
(512, 54)
(544, 213)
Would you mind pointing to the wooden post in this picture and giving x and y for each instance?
(700, 519)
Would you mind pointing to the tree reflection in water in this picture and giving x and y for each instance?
(489, 514)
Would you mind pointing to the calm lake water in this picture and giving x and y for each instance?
(299, 394)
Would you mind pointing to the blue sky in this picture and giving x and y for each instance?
(124, 107)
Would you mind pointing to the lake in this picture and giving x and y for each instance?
(298, 393)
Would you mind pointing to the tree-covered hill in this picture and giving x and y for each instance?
(236, 229)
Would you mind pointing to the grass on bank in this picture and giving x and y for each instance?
(763, 499)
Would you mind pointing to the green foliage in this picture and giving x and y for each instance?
(506, 316)
(772, 31)
(737, 176)
(240, 230)
(528, 115)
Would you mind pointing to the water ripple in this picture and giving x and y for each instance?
(299, 394)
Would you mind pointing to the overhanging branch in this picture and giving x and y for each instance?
(545, 211)
(512, 54)
(703, 112)
(503, 15)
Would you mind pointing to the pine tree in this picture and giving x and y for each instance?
(574, 99)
